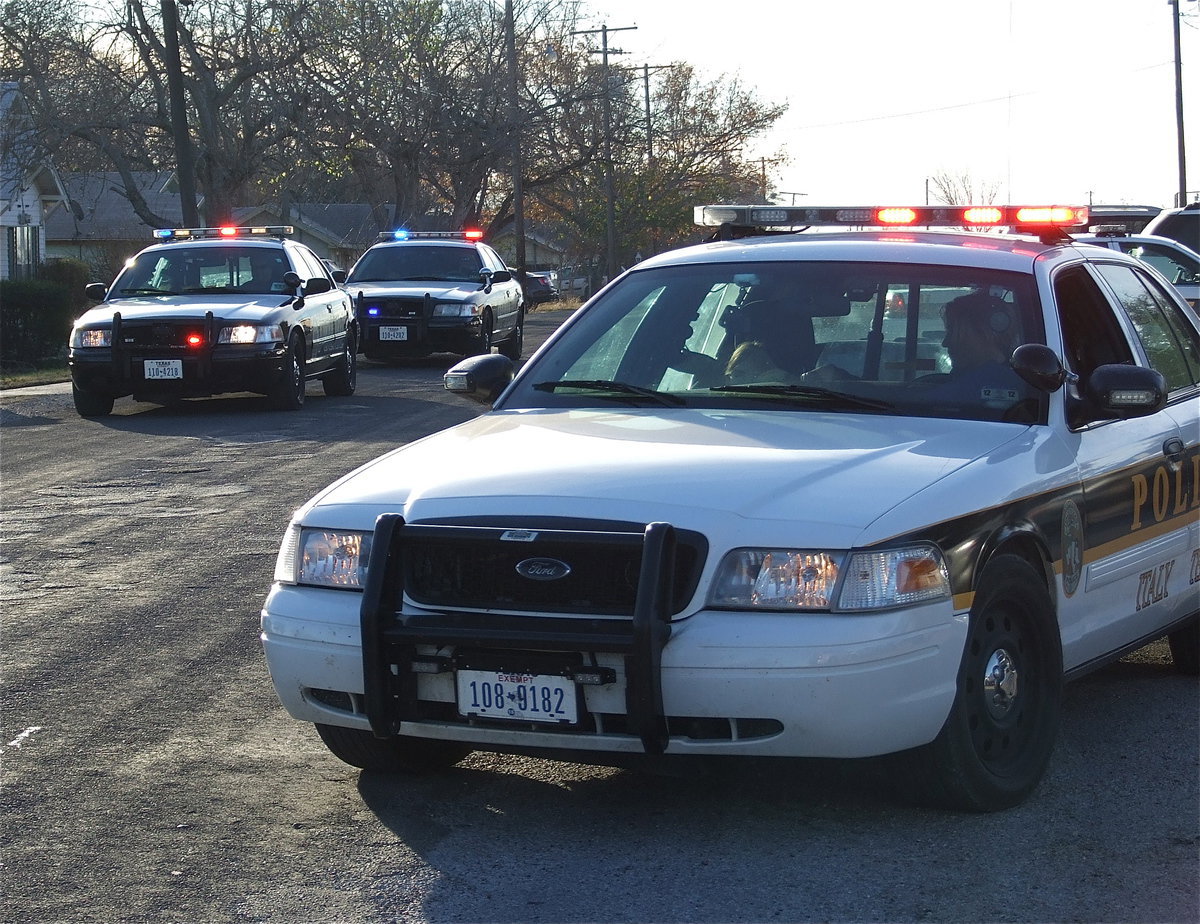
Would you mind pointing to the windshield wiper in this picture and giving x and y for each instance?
(612, 389)
(147, 290)
(811, 392)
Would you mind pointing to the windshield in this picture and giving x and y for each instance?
(179, 270)
(417, 262)
(876, 338)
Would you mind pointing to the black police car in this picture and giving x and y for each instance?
(210, 311)
(417, 293)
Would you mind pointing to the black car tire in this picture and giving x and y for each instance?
(342, 381)
(1185, 648)
(515, 343)
(401, 754)
(288, 394)
(91, 403)
(486, 332)
(997, 741)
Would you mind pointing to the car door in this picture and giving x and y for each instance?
(325, 314)
(506, 296)
(1129, 578)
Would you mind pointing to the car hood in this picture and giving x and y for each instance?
(226, 307)
(706, 470)
(451, 291)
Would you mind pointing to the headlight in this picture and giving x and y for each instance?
(775, 579)
(251, 333)
(323, 557)
(454, 310)
(797, 579)
(91, 337)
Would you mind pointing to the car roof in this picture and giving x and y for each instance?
(1160, 239)
(208, 243)
(994, 251)
(426, 242)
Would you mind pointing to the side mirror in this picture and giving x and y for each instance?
(501, 276)
(317, 285)
(1039, 366)
(339, 276)
(480, 378)
(96, 291)
(1127, 391)
(291, 280)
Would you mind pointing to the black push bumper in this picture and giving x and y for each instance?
(390, 637)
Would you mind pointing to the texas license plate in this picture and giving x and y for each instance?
(163, 368)
(393, 333)
(523, 697)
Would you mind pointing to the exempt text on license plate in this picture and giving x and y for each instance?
(525, 697)
(393, 333)
(163, 368)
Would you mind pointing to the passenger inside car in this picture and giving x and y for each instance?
(266, 273)
(750, 362)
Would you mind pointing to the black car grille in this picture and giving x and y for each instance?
(477, 569)
(405, 308)
(159, 335)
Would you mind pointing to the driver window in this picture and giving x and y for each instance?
(1091, 334)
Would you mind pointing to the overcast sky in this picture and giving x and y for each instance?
(1048, 100)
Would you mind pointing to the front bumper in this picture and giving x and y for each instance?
(715, 682)
(385, 337)
(204, 372)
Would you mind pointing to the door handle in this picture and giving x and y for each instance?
(1174, 449)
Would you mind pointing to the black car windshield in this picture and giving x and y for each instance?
(417, 262)
(183, 270)
(907, 339)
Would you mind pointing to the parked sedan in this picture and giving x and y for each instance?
(735, 507)
(417, 293)
(539, 287)
(1179, 264)
(210, 311)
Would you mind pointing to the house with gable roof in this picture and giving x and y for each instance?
(30, 189)
(100, 226)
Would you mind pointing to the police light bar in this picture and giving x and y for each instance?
(766, 216)
(196, 234)
(403, 234)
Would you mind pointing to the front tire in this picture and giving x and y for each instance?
(513, 346)
(486, 335)
(401, 754)
(998, 738)
(341, 382)
(288, 394)
(91, 403)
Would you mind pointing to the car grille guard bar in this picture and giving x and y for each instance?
(390, 638)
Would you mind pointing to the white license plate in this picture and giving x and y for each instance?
(524, 697)
(163, 368)
(393, 333)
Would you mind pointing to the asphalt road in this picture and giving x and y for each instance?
(147, 772)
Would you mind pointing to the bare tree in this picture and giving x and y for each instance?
(962, 189)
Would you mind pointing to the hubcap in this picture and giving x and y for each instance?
(1000, 683)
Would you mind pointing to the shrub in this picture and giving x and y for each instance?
(36, 316)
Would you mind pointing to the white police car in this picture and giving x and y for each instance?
(421, 292)
(1176, 262)
(738, 506)
(214, 310)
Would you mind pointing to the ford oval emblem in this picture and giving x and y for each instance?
(543, 569)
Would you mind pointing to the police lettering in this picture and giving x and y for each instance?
(1169, 491)
(1152, 585)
